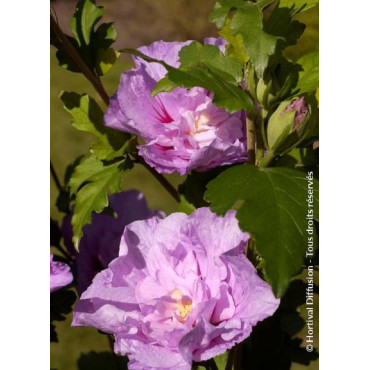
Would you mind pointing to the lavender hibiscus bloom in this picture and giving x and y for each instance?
(101, 240)
(60, 274)
(181, 290)
(183, 129)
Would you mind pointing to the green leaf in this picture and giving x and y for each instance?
(93, 46)
(105, 60)
(298, 6)
(221, 10)
(92, 181)
(195, 184)
(235, 47)
(164, 85)
(281, 25)
(87, 116)
(185, 206)
(227, 94)
(211, 56)
(105, 55)
(309, 77)
(221, 360)
(272, 205)
(85, 18)
(259, 45)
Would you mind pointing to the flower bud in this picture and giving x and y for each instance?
(287, 124)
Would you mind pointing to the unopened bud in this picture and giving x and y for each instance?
(287, 124)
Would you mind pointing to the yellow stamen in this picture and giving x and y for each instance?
(183, 305)
(202, 120)
(176, 294)
(183, 309)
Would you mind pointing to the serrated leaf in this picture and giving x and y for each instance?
(87, 116)
(309, 77)
(84, 19)
(281, 25)
(93, 46)
(227, 95)
(298, 6)
(211, 56)
(221, 10)
(259, 45)
(92, 181)
(235, 47)
(272, 205)
(105, 60)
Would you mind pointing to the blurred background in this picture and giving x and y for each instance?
(138, 22)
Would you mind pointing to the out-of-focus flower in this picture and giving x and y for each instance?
(181, 290)
(101, 239)
(183, 129)
(287, 124)
(60, 274)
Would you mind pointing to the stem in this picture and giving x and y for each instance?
(55, 177)
(251, 131)
(260, 143)
(161, 179)
(77, 60)
(267, 159)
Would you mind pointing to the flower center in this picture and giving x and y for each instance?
(201, 121)
(183, 305)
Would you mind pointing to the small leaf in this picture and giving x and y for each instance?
(272, 205)
(87, 116)
(83, 21)
(91, 182)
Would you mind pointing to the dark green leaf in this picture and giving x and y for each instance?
(92, 181)
(85, 18)
(272, 205)
(221, 10)
(87, 116)
(280, 24)
(309, 77)
(211, 56)
(259, 45)
(227, 95)
(193, 188)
